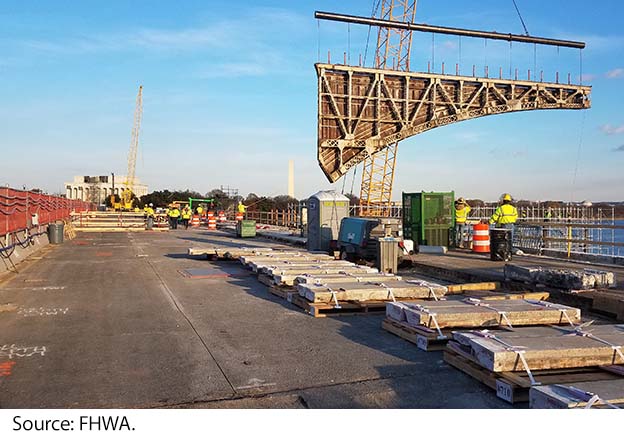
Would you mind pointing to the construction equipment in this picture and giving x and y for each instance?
(127, 194)
(393, 45)
(358, 237)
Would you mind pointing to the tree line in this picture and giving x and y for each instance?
(222, 201)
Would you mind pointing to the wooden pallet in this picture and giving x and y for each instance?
(505, 295)
(514, 387)
(346, 308)
(424, 340)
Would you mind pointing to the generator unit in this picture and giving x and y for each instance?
(358, 236)
(429, 217)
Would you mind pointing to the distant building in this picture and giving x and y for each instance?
(96, 189)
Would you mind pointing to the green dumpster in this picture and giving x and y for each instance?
(246, 229)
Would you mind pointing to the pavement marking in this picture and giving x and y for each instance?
(255, 383)
(42, 312)
(106, 254)
(14, 351)
(6, 368)
(49, 288)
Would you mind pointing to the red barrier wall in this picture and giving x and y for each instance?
(17, 207)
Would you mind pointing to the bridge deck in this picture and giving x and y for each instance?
(108, 320)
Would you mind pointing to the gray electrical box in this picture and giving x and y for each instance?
(326, 209)
(388, 255)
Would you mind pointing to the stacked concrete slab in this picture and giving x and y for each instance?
(566, 279)
(554, 367)
(474, 313)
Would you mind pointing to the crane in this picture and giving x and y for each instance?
(393, 52)
(128, 192)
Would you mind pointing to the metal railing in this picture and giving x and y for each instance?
(285, 218)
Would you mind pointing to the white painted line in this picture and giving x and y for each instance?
(13, 351)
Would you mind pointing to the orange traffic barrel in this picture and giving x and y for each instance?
(222, 216)
(481, 238)
(195, 221)
(239, 216)
(212, 221)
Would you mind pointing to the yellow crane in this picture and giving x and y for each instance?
(393, 52)
(128, 192)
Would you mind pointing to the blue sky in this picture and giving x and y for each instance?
(230, 96)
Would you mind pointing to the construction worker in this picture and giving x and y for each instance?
(186, 216)
(200, 210)
(149, 216)
(174, 215)
(462, 209)
(241, 207)
(505, 215)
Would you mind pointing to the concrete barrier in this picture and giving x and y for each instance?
(19, 254)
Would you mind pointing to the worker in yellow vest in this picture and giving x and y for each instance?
(505, 215)
(462, 209)
(174, 215)
(149, 216)
(200, 210)
(186, 216)
(241, 207)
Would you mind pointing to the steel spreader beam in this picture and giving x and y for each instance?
(447, 30)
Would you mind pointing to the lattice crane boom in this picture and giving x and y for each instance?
(393, 52)
(132, 152)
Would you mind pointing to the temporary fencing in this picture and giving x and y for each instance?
(21, 210)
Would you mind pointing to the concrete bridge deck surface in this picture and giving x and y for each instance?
(107, 320)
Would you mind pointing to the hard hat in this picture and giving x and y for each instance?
(506, 197)
(151, 205)
(461, 200)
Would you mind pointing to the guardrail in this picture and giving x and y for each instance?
(21, 210)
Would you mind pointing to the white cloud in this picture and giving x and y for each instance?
(244, 33)
(615, 73)
(611, 129)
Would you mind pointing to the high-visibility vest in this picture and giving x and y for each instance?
(462, 214)
(186, 214)
(505, 214)
(199, 210)
(241, 208)
(149, 212)
(174, 213)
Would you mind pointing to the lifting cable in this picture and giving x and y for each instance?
(432, 52)
(526, 31)
(318, 44)
(459, 44)
(353, 180)
(375, 7)
(349, 43)
(578, 154)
